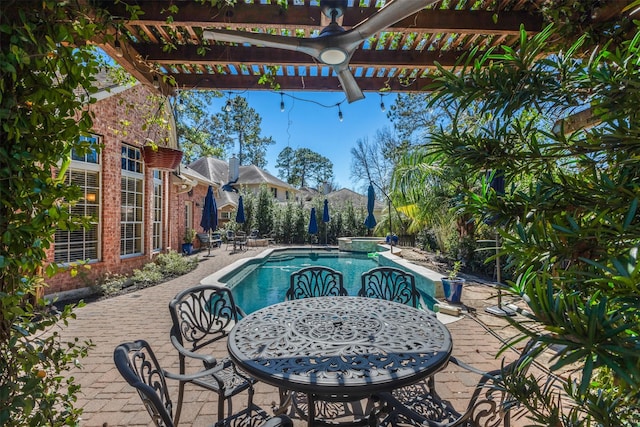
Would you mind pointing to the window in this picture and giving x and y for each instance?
(82, 244)
(287, 195)
(274, 191)
(188, 216)
(131, 205)
(225, 215)
(157, 210)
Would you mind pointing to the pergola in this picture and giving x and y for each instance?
(158, 43)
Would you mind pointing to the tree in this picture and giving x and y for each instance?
(304, 167)
(375, 160)
(194, 125)
(425, 185)
(264, 210)
(239, 122)
(45, 106)
(285, 163)
(572, 234)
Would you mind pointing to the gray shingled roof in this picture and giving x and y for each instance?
(218, 171)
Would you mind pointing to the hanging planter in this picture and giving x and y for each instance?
(159, 157)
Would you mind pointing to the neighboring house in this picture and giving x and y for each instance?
(138, 211)
(230, 177)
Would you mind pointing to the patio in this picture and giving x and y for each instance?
(108, 400)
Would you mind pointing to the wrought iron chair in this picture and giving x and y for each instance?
(490, 405)
(139, 366)
(390, 283)
(316, 281)
(231, 239)
(201, 316)
(240, 241)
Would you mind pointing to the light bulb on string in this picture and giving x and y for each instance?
(281, 102)
(118, 48)
(382, 107)
(156, 82)
(116, 44)
(340, 117)
(227, 107)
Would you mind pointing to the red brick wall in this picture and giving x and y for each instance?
(108, 114)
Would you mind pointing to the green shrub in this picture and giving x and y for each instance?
(150, 274)
(174, 264)
(110, 284)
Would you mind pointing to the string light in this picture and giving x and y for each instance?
(281, 102)
(382, 107)
(116, 44)
(156, 82)
(339, 113)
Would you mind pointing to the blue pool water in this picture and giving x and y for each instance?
(263, 282)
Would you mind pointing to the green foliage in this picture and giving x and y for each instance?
(110, 284)
(194, 125)
(568, 221)
(45, 95)
(189, 235)
(265, 205)
(173, 264)
(149, 275)
(303, 167)
(454, 270)
(239, 122)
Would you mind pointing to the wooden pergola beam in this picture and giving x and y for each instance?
(297, 83)
(221, 54)
(308, 18)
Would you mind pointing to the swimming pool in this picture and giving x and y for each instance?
(263, 280)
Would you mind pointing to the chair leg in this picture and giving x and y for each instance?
(221, 406)
(176, 418)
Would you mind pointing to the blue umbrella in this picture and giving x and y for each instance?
(325, 218)
(370, 222)
(240, 214)
(209, 221)
(313, 223)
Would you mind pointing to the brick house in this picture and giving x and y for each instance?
(139, 211)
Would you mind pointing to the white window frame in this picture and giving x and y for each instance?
(157, 211)
(85, 241)
(132, 202)
(188, 215)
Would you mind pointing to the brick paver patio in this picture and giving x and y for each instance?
(107, 400)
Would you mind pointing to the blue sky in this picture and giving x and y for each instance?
(306, 124)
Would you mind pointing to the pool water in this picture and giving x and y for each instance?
(263, 282)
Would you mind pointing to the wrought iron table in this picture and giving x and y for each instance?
(341, 348)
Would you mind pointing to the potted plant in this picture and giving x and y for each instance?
(187, 246)
(452, 284)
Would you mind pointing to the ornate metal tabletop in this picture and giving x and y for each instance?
(350, 346)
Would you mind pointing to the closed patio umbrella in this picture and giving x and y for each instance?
(370, 222)
(313, 223)
(209, 221)
(240, 214)
(325, 218)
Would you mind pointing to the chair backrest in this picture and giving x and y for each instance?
(139, 367)
(390, 283)
(230, 235)
(203, 314)
(316, 281)
(241, 236)
(255, 234)
(489, 401)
